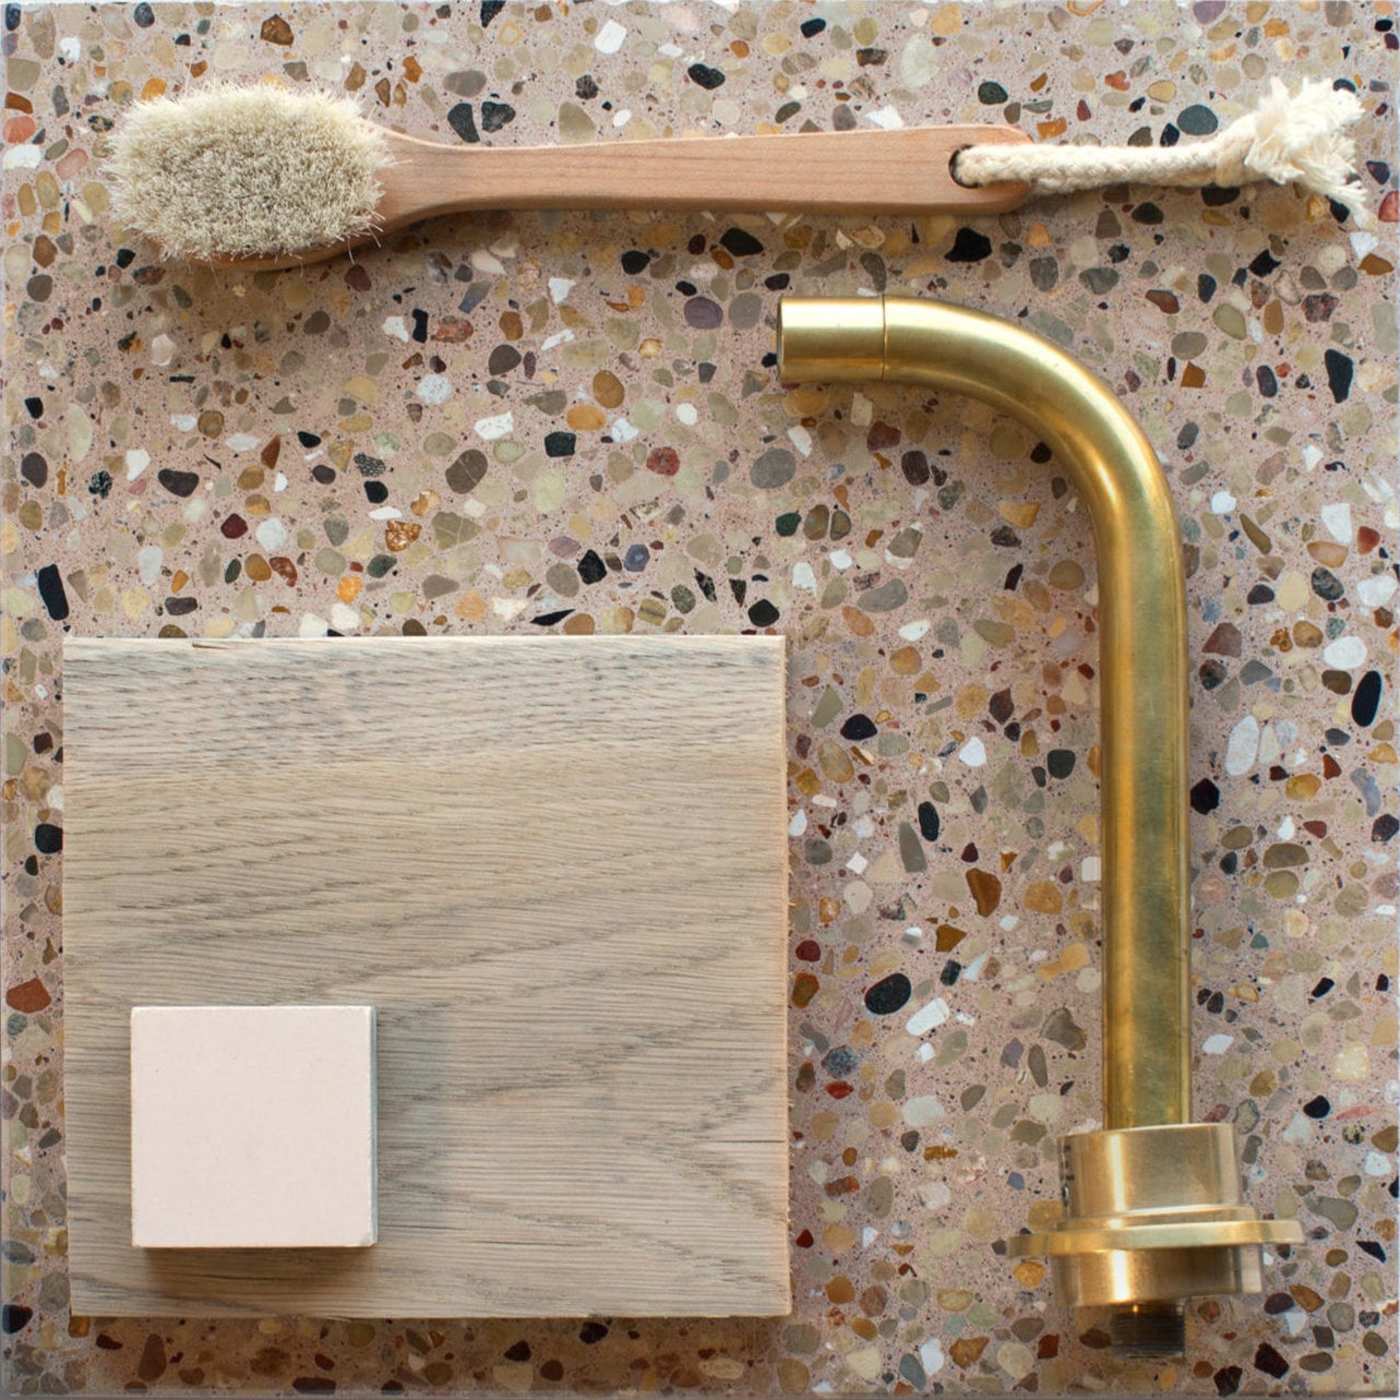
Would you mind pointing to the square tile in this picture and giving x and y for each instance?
(252, 1126)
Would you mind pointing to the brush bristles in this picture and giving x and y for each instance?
(247, 172)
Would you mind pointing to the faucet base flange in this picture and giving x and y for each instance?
(1128, 1277)
(1152, 1215)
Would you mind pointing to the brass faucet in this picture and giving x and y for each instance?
(1152, 1206)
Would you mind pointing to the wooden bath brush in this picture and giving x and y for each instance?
(265, 178)
(260, 177)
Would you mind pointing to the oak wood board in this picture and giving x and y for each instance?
(556, 867)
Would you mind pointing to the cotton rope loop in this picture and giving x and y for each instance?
(1290, 139)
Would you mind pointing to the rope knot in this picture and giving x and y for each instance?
(1297, 139)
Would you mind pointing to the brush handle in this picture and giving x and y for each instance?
(818, 172)
(844, 172)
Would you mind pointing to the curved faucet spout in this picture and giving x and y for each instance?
(1176, 1224)
(1142, 616)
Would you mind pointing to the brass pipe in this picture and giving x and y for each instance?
(1142, 613)
(1176, 1225)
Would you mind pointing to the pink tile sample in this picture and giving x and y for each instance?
(252, 1126)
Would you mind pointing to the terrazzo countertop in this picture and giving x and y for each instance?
(571, 424)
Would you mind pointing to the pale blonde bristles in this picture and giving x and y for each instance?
(247, 172)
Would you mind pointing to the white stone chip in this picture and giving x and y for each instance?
(610, 36)
(928, 1017)
(497, 426)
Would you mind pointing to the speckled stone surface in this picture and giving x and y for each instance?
(571, 423)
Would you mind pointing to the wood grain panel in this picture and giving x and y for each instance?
(556, 866)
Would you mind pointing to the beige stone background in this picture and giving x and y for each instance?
(931, 571)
